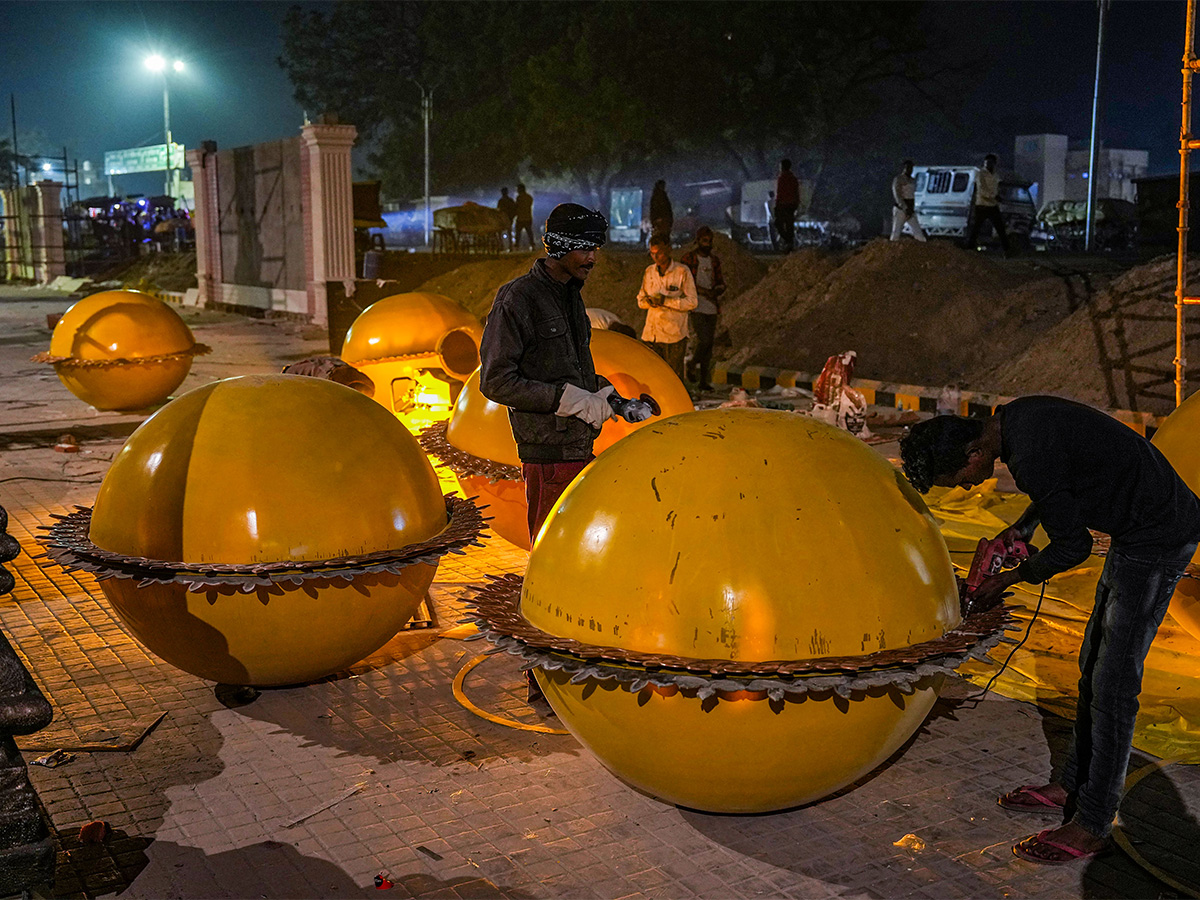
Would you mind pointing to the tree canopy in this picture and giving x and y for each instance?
(587, 93)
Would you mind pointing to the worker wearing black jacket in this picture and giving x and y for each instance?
(1082, 470)
(536, 359)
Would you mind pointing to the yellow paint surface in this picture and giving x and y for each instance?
(746, 535)
(268, 468)
(113, 325)
(742, 755)
(742, 534)
(1179, 441)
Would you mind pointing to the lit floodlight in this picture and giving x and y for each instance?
(46, 167)
(177, 65)
(155, 63)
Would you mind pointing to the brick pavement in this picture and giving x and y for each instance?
(226, 798)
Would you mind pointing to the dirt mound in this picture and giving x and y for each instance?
(474, 284)
(161, 271)
(613, 284)
(1116, 349)
(921, 313)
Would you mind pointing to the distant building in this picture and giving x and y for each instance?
(1057, 172)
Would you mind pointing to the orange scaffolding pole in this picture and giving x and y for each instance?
(1186, 145)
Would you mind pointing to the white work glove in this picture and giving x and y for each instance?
(592, 408)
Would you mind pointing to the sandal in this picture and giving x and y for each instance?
(1035, 801)
(1038, 848)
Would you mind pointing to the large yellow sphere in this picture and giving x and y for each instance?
(480, 427)
(634, 369)
(404, 342)
(1179, 441)
(264, 469)
(751, 536)
(122, 350)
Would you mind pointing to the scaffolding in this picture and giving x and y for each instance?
(1186, 145)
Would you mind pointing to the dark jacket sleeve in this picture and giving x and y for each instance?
(505, 338)
(1070, 541)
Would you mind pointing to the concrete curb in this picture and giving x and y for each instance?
(902, 396)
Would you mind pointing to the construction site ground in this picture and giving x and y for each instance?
(313, 791)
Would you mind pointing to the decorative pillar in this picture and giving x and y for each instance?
(49, 259)
(206, 220)
(328, 211)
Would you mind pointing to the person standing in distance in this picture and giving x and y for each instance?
(705, 267)
(787, 201)
(524, 216)
(668, 294)
(904, 209)
(508, 209)
(987, 206)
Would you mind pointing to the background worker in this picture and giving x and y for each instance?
(662, 216)
(1081, 469)
(787, 201)
(705, 267)
(904, 200)
(668, 294)
(524, 217)
(507, 207)
(987, 205)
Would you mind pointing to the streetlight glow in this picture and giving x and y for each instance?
(155, 63)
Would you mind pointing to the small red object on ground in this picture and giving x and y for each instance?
(67, 444)
(382, 883)
(94, 832)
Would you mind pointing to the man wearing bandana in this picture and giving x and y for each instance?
(536, 359)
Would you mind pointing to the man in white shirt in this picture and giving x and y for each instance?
(667, 294)
(987, 205)
(904, 209)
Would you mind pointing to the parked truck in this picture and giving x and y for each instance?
(945, 197)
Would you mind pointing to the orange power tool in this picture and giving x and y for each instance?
(991, 558)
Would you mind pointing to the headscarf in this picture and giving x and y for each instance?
(574, 227)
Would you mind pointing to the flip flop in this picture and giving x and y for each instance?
(1041, 803)
(1067, 854)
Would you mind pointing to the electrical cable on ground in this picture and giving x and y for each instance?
(461, 697)
(976, 698)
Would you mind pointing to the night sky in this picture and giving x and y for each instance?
(78, 75)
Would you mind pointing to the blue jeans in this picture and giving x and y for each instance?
(1131, 600)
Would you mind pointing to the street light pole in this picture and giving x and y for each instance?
(1094, 152)
(426, 115)
(167, 132)
(156, 63)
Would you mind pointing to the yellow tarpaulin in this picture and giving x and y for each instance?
(1045, 670)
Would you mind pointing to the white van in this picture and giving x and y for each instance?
(944, 195)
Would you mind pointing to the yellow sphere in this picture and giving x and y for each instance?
(1179, 443)
(507, 509)
(634, 369)
(399, 340)
(481, 427)
(121, 325)
(751, 536)
(262, 469)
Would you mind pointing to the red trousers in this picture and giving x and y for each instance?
(544, 484)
